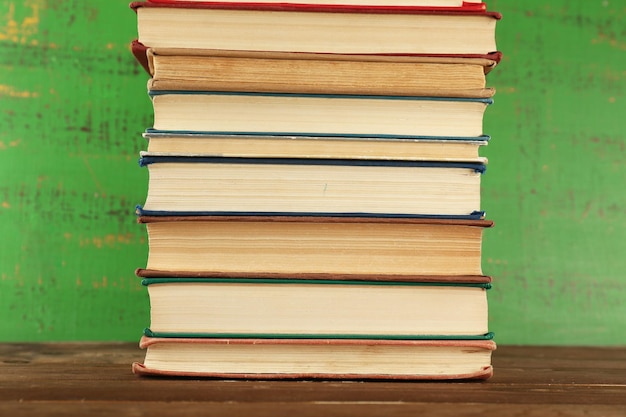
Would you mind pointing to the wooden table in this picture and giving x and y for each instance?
(94, 379)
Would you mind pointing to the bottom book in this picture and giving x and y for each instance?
(316, 358)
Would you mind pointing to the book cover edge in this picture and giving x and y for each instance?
(322, 8)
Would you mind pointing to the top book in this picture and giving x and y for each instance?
(317, 28)
(444, 4)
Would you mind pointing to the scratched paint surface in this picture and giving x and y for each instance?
(557, 171)
(73, 105)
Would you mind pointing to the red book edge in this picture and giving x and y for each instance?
(482, 6)
(466, 9)
(318, 219)
(141, 370)
(140, 52)
(484, 373)
(462, 279)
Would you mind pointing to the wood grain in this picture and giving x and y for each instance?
(95, 378)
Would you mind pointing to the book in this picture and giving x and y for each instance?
(316, 359)
(314, 309)
(450, 149)
(313, 206)
(317, 114)
(286, 27)
(189, 185)
(199, 70)
(429, 4)
(312, 246)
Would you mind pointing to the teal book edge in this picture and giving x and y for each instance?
(151, 132)
(154, 93)
(156, 281)
(182, 280)
(149, 333)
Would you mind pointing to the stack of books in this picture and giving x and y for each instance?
(313, 206)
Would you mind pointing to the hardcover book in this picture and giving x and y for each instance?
(317, 358)
(287, 27)
(296, 308)
(317, 114)
(245, 71)
(180, 185)
(435, 149)
(313, 246)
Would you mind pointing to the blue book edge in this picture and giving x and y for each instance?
(475, 215)
(145, 160)
(189, 280)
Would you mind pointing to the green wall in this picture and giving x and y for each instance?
(73, 105)
(557, 172)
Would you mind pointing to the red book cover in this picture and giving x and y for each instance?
(327, 367)
(468, 279)
(140, 52)
(317, 28)
(465, 5)
(467, 8)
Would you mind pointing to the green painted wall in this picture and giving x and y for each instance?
(72, 109)
(73, 105)
(555, 183)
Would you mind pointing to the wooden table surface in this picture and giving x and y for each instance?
(94, 379)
